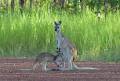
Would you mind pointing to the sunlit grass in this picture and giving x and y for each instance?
(31, 33)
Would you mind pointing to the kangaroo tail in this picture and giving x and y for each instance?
(35, 63)
(83, 68)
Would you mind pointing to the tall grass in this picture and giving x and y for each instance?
(28, 34)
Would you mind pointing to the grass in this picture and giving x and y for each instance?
(31, 33)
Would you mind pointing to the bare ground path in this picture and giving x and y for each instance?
(12, 69)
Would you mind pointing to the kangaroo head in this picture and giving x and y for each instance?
(57, 26)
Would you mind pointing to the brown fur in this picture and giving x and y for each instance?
(46, 57)
(74, 52)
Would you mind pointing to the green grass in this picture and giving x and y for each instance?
(30, 34)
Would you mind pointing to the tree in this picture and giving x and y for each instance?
(62, 2)
(113, 5)
(12, 5)
(75, 2)
(6, 4)
(21, 3)
(105, 7)
(31, 1)
(83, 4)
(0, 4)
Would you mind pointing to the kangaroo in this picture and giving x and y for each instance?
(46, 57)
(68, 49)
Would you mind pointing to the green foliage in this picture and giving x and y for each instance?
(69, 5)
(30, 33)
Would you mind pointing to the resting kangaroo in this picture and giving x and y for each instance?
(46, 57)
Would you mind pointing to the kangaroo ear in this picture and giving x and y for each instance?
(60, 22)
(55, 22)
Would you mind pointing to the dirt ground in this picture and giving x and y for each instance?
(12, 69)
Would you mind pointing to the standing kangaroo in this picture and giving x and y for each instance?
(67, 49)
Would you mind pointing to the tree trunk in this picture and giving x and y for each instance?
(105, 7)
(75, 2)
(12, 5)
(0, 5)
(6, 5)
(98, 6)
(21, 3)
(62, 2)
(31, 1)
(83, 6)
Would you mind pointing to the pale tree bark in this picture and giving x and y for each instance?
(6, 5)
(83, 5)
(0, 4)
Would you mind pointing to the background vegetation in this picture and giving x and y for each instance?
(26, 27)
